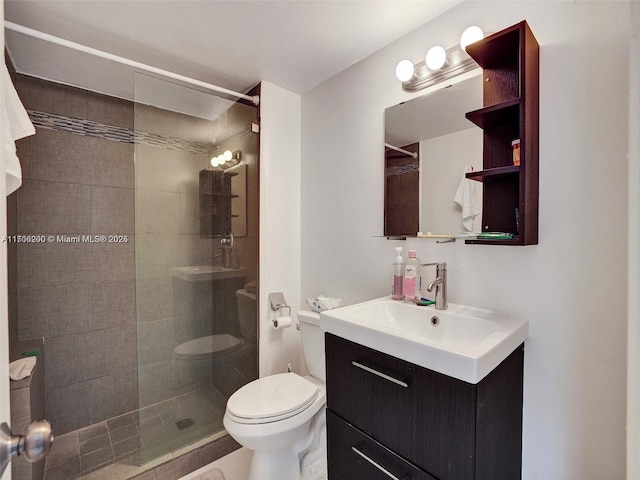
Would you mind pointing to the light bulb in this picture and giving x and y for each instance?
(471, 35)
(221, 159)
(215, 162)
(435, 58)
(227, 155)
(404, 70)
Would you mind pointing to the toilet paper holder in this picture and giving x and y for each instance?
(277, 301)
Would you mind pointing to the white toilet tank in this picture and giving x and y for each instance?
(247, 314)
(312, 343)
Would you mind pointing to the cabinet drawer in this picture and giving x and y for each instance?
(355, 456)
(427, 417)
(372, 390)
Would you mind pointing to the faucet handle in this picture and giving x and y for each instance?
(439, 265)
(227, 241)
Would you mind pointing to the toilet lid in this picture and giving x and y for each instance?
(207, 346)
(272, 398)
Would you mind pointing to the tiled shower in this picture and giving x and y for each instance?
(111, 312)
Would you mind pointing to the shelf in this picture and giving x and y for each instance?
(478, 241)
(498, 48)
(510, 95)
(436, 235)
(485, 175)
(504, 112)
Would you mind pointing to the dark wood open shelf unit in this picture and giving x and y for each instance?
(505, 112)
(487, 175)
(510, 63)
(215, 203)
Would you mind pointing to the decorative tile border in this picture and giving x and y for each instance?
(412, 167)
(62, 123)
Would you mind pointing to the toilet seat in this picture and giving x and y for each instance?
(207, 347)
(272, 398)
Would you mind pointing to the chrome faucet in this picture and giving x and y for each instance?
(226, 247)
(440, 284)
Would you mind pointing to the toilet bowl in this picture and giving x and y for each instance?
(282, 418)
(194, 357)
(195, 360)
(208, 347)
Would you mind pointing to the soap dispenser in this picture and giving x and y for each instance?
(398, 276)
(411, 278)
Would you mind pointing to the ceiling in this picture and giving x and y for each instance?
(234, 44)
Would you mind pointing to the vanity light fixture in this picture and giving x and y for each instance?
(436, 58)
(439, 64)
(227, 159)
(404, 70)
(470, 35)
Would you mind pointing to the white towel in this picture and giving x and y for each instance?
(16, 125)
(22, 368)
(466, 198)
(323, 303)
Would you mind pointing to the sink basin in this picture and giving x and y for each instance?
(462, 342)
(202, 273)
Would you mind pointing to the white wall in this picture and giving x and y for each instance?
(633, 375)
(443, 161)
(572, 285)
(279, 224)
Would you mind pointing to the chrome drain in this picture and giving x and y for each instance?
(184, 423)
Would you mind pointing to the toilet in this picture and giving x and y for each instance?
(282, 417)
(194, 357)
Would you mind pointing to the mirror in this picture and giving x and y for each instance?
(223, 202)
(420, 191)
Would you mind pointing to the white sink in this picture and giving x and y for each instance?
(202, 273)
(464, 342)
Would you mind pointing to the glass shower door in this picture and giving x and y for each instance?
(196, 167)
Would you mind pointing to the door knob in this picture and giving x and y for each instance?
(34, 444)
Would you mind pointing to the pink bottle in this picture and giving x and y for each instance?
(411, 276)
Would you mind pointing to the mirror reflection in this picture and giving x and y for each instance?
(429, 146)
(223, 202)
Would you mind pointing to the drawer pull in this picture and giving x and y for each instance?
(376, 464)
(380, 374)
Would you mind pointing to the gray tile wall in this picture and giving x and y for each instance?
(79, 296)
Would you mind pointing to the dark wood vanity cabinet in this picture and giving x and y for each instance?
(386, 416)
(510, 64)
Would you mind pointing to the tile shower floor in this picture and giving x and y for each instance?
(114, 449)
